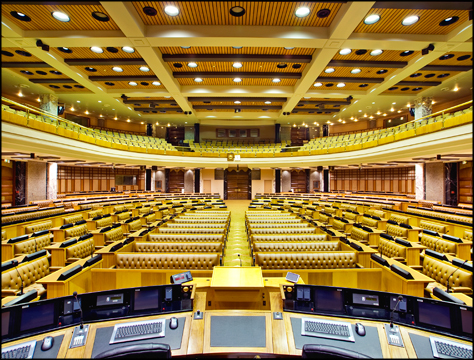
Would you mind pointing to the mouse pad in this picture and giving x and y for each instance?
(172, 338)
(368, 345)
(238, 331)
(51, 353)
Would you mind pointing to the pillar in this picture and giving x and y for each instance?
(148, 179)
(196, 133)
(277, 133)
(19, 169)
(35, 181)
(188, 181)
(325, 180)
(197, 181)
(422, 107)
(277, 180)
(451, 183)
(49, 103)
(52, 180)
(434, 175)
(420, 181)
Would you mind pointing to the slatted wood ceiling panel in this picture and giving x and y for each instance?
(453, 60)
(257, 13)
(323, 99)
(158, 112)
(231, 110)
(87, 53)
(41, 18)
(434, 78)
(314, 107)
(334, 88)
(18, 58)
(150, 98)
(106, 70)
(407, 92)
(124, 85)
(244, 82)
(38, 76)
(391, 21)
(365, 73)
(387, 55)
(63, 89)
(227, 67)
(262, 103)
(230, 50)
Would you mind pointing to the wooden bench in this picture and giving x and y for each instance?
(403, 232)
(315, 260)
(29, 245)
(157, 237)
(61, 256)
(439, 228)
(461, 250)
(45, 225)
(187, 247)
(296, 246)
(403, 251)
(202, 261)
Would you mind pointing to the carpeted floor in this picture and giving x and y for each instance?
(237, 240)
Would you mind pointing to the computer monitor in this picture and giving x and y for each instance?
(433, 315)
(146, 299)
(466, 320)
(5, 323)
(37, 315)
(328, 300)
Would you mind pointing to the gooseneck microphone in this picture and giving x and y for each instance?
(80, 309)
(449, 277)
(400, 298)
(240, 260)
(15, 264)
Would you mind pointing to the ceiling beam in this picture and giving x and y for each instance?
(25, 65)
(419, 83)
(236, 57)
(276, 99)
(316, 110)
(445, 68)
(371, 64)
(247, 75)
(144, 102)
(123, 13)
(156, 109)
(348, 18)
(353, 80)
(316, 103)
(239, 106)
(124, 78)
(112, 62)
(431, 5)
(53, 81)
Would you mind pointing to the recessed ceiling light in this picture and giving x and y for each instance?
(393, 88)
(185, 47)
(406, 53)
(58, 15)
(20, 16)
(237, 11)
(237, 47)
(237, 102)
(281, 66)
(128, 49)
(289, 48)
(446, 57)
(329, 70)
(100, 16)
(341, 85)
(449, 21)
(268, 102)
(171, 10)
(237, 65)
(345, 51)
(97, 49)
(371, 19)
(383, 71)
(99, 101)
(302, 12)
(91, 69)
(192, 64)
(156, 83)
(463, 57)
(376, 52)
(363, 85)
(198, 80)
(355, 71)
(144, 68)
(117, 69)
(132, 83)
(128, 120)
(410, 20)
(318, 84)
(276, 80)
(237, 79)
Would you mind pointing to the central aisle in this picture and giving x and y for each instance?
(237, 241)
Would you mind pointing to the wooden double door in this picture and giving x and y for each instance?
(238, 185)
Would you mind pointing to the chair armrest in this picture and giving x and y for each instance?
(399, 258)
(71, 260)
(112, 267)
(416, 267)
(462, 289)
(373, 246)
(55, 268)
(359, 266)
(9, 292)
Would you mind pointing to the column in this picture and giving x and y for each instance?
(451, 183)
(434, 175)
(277, 133)
(52, 180)
(325, 181)
(188, 181)
(35, 181)
(19, 169)
(49, 104)
(197, 181)
(153, 176)
(422, 107)
(420, 181)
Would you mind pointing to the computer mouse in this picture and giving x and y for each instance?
(173, 323)
(47, 344)
(360, 329)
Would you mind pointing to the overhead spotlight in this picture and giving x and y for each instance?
(39, 43)
(349, 98)
(123, 96)
(426, 50)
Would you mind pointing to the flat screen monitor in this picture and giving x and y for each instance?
(36, 316)
(146, 299)
(5, 322)
(328, 300)
(434, 315)
(365, 299)
(466, 320)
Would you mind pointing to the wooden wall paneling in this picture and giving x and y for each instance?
(7, 183)
(298, 181)
(465, 183)
(176, 181)
(237, 185)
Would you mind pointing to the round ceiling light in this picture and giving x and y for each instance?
(144, 83)
(463, 57)
(393, 88)
(355, 71)
(302, 12)
(144, 68)
(329, 70)
(55, 72)
(7, 53)
(109, 83)
(117, 69)
(449, 21)
(443, 75)
(416, 89)
(237, 65)
(323, 13)
(410, 20)
(65, 50)
(171, 10)
(58, 15)
(361, 52)
(39, 72)
(281, 66)
(156, 83)
(20, 16)
(100, 16)
(237, 79)
(237, 11)
(54, 86)
(415, 75)
(296, 66)
(148, 10)
(178, 65)
(198, 80)
(345, 51)
(406, 53)
(112, 50)
(128, 49)
(90, 69)
(289, 48)
(192, 64)
(363, 85)
(185, 47)
(371, 19)
(318, 84)
(97, 49)
(376, 52)
(268, 102)
(340, 85)
(26, 72)
(405, 89)
(429, 75)
(132, 83)
(329, 85)
(446, 57)
(276, 80)
(383, 71)
(237, 47)
(237, 102)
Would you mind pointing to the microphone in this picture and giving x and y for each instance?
(400, 298)
(15, 264)
(240, 260)
(35, 245)
(447, 286)
(80, 309)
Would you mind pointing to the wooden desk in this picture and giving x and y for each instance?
(7, 299)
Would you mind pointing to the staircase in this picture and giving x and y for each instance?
(237, 240)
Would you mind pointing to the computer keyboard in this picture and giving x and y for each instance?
(19, 351)
(337, 330)
(139, 330)
(445, 348)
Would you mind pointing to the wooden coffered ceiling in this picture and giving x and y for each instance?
(269, 41)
